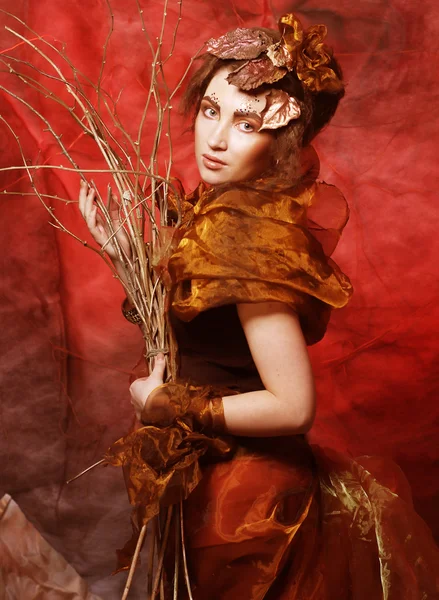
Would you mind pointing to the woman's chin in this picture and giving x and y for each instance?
(214, 177)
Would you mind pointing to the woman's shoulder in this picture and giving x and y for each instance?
(249, 242)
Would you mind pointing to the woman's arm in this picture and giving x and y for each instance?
(287, 404)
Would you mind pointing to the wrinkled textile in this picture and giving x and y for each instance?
(278, 521)
(242, 246)
(66, 350)
(271, 524)
(161, 467)
(30, 569)
(281, 521)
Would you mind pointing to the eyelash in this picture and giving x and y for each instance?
(246, 130)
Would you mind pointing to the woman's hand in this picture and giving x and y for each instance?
(151, 405)
(96, 226)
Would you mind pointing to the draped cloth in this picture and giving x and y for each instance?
(280, 520)
(29, 567)
(244, 246)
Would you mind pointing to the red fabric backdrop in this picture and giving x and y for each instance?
(66, 350)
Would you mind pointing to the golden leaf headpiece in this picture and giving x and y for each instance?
(268, 61)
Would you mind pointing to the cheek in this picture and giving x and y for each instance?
(257, 150)
(197, 132)
(201, 130)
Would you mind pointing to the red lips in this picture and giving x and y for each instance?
(211, 162)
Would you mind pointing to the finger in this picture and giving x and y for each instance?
(99, 220)
(114, 209)
(90, 201)
(82, 196)
(91, 221)
(115, 219)
(112, 203)
(100, 226)
(159, 366)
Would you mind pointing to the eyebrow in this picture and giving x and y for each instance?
(237, 113)
(215, 104)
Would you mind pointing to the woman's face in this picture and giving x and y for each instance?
(228, 146)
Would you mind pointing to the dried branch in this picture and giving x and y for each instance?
(96, 464)
(104, 52)
(45, 196)
(139, 207)
(161, 556)
(134, 562)
(177, 554)
(183, 550)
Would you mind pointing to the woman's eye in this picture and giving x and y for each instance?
(210, 112)
(245, 126)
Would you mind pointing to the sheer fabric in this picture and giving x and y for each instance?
(252, 243)
(281, 520)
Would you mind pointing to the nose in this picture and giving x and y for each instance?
(217, 139)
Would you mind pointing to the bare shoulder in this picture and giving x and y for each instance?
(268, 317)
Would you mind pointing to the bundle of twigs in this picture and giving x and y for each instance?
(140, 189)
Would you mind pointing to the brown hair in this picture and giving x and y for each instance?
(317, 109)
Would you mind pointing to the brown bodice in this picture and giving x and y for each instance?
(213, 350)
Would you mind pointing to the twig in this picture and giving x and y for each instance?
(150, 573)
(161, 556)
(142, 191)
(48, 196)
(104, 52)
(177, 553)
(183, 551)
(134, 562)
(77, 170)
(96, 464)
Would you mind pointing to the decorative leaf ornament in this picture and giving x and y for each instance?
(280, 109)
(240, 44)
(280, 56)
(303, 52)
(255, 73)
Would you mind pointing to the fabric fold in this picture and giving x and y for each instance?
(29, 567)
(246, 245)
(161, 467)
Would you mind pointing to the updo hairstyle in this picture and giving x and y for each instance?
(317, 108)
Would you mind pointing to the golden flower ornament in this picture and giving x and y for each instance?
(268, 60)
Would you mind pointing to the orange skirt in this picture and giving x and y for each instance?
(281, 521)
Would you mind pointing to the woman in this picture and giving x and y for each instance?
(252, 286)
